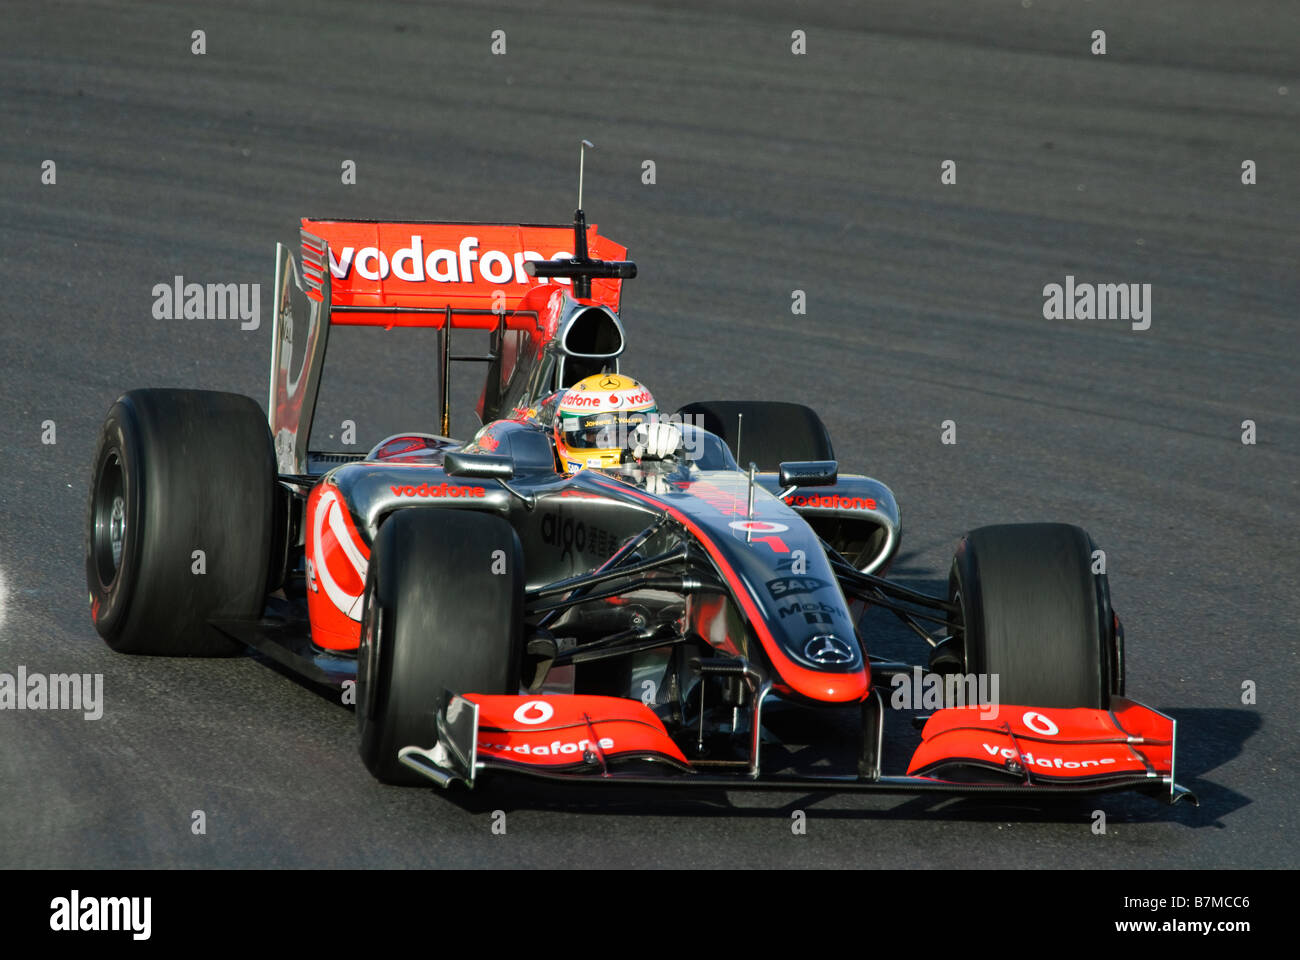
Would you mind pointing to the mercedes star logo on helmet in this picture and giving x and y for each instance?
(828, 649)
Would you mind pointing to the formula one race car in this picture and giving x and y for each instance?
(508, 605)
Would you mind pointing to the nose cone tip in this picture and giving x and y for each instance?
(833, 687)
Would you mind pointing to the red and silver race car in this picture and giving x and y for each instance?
(497, 608)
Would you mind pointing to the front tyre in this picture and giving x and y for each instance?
(1034, 614)
(443, 612)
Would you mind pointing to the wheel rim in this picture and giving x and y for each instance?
(368, 653)
(109, 520)
(960, 631)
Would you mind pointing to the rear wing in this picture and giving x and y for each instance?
(412, 274)
(407, 274)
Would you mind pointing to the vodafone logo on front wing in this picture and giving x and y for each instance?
(534, 712)
(1058, 763)
(464, 264)
(1038, 723)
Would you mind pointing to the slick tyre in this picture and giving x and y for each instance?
(1034, 614)
(443, 611)
(179, 520)
(771, 431)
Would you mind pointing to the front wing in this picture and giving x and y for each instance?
(1021, 750)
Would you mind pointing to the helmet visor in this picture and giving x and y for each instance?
(601, 431)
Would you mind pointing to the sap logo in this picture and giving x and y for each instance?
(812, 612)
(781, 586)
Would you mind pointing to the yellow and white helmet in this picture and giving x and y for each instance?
(596, 417)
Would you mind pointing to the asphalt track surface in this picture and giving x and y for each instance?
(774, 172)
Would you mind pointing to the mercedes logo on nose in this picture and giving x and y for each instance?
(827, 649)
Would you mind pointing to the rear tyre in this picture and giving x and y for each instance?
(1034, 614)
(436, 618)
(772, 431)
(175, 472)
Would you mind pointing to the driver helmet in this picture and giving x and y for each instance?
(596, 417)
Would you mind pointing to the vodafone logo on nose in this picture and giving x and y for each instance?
(758, 526)
(534, 712)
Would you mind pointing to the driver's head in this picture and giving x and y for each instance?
(596, 417)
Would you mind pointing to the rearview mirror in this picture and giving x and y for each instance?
(808, 473)
(478, 466)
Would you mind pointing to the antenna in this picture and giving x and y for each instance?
(749, 515)
(582, 159)
(740, 424)
(580, 267)
(581, 285)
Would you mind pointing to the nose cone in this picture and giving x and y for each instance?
(828, 687)
(828, 669)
